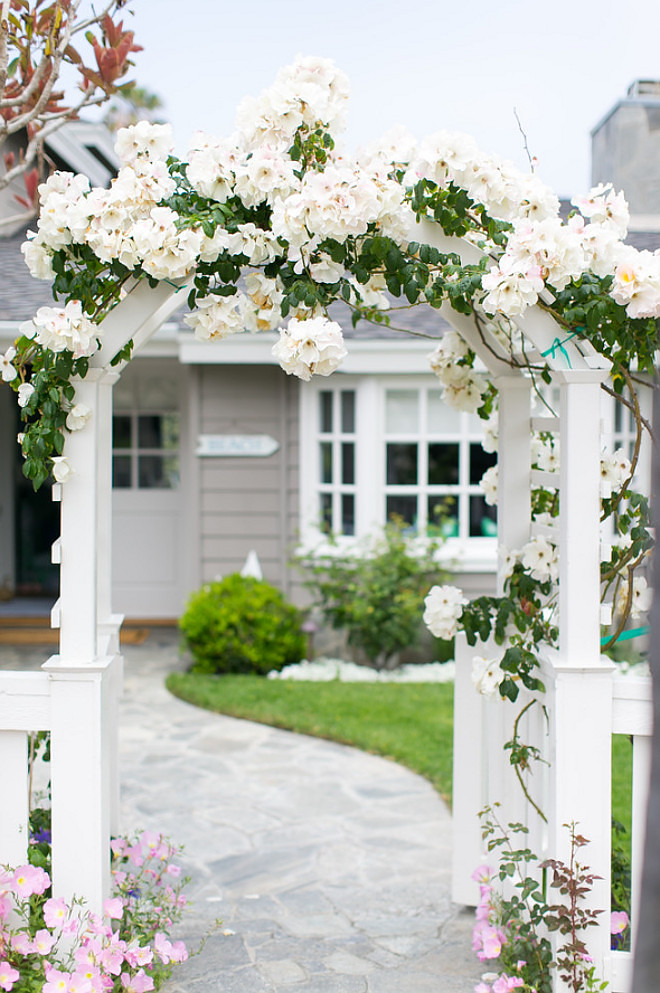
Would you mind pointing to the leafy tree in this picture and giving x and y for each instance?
(38, 41)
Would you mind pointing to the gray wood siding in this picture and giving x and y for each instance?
(248, 503)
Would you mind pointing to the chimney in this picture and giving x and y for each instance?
(625, 148)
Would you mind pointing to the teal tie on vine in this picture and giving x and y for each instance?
(627, 635)
(558, 344)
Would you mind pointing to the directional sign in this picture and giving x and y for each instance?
(236, 445)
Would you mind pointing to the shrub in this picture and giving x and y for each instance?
(241, 624)
(376, 592)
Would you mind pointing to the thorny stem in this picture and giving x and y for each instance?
(516, 765)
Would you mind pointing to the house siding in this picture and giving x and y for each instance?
(247, 503)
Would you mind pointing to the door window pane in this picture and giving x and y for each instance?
(402, 411)
(348, 514)
(121, 431)
(121, 471)
(348, 463)
(483, 519)
(479, 462)
(325, 411)
(443, 464)
(403, 507)
(326, 512)
(442, 516)
(440, 417)
(348, 411)
(401, 464)
(326, 462)
(157, 472)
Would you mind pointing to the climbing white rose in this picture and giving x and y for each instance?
(486, 675)
(311, 347)
(444, 606)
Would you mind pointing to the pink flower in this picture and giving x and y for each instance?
(21, 943)
(139, 983)
(28, 880)
(43, 941)
(504, 984)
(114, 907)
(619, 921)
(56, 981)
(482, 988)
(482, 874)
(55, 912)
(5, 906)
(8, 975)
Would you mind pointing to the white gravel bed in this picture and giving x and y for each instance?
(325, 670)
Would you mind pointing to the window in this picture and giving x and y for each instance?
(145, 451)
(434, 463)
(392, 448)
(336, 455)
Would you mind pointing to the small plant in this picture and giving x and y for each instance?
(375, 592)
(50, 946)
(241, 625)
(513, 930)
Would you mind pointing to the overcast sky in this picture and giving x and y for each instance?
(469, 65)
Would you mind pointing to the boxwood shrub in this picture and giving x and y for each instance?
(241, 624)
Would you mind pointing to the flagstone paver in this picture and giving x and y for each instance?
(328, 867)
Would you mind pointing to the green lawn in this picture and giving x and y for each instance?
(408, 722)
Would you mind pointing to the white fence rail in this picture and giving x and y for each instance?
(573, 730)
(79, 708)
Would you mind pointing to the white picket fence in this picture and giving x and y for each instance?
(80, 709)
(576, 744)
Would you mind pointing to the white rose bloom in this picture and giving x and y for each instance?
(78, 416)
(61, 468)
(144, 140)
(325, 270)
(510, 292)
(636, 283)
(371, 293)
(489, 444)
(310, 347)
(443, 609)
(539, 557)
(464, 389)
(449, 349)
(641, 599)
(548, 458)
(259, 246)
(488, 484)
(486, 675)
(216, 317)
(212, 165)
(38, 258)
(267, 174)
(260, 308)
(605, 207)
(9, 371)
(509, 559)
(60, 328)
(25, 391)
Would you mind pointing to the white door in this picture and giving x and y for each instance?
(147, 537)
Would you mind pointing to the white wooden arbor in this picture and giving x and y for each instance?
(77, 692)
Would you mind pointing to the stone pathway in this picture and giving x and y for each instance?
(328, 867)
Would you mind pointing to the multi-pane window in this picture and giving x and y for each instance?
(337, 460)
(145, 450)
(382, 451)
(433, 465)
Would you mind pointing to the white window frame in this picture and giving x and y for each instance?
(475, 554)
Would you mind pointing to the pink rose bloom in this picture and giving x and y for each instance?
(619, 921)
(56, 981)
